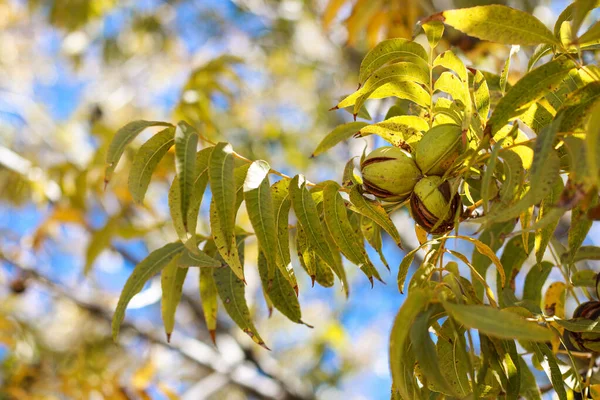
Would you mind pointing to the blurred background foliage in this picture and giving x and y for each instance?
(260, 73)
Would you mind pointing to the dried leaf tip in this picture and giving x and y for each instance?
(264, 346)
(334, 108)
(312, 278)
(308, 325)
(213, 336)
(435, 17)
(168, 337)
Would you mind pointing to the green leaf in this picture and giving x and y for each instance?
(404, 266)
(512, 259)
(587, 253)
(425, 352)
(239, 177)
(259, 204)
(208, 294)
(351, 245)
(305, 255)
(99, 241)
(529, 388)
(449, 83)
(146, 269)
(490, 169)
(175, 211)
(565, 16)
(476, 277)
(528, 89)
(453, 358)
(373, 210)
(536, 117)
(487, 251)
(401, 89)
(535, 279)
(578, 231)
(145, 161)
(323, 273)
(414, 303)
(280, 291)
(200, 183)
(582, 9)
(339, 134)
(232, 293)
(579, 324)
(513, 177)
(306, 212)
(592, 35)
(281, 206)
(186, 143)
(450, 61)
(171, 282)
(372, 232)
(231, 255)
(543, 235)
(543, 173)
(391, 50)
(506, 69)
(543, 351)
(584, 277)
(397, 72)
(493, 237)
(434, 30)
(500, 24)
(220, 172)
(198, 259)
(497, 323)
(576, 108)
(540, 51)
(338, 269)
(401, 131)
(592, 140)
(122, 138)
(481, 96)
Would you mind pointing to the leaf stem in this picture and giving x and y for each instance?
(245, 159)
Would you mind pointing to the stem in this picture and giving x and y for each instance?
(430, 87)
(564, 274)
(245, 159)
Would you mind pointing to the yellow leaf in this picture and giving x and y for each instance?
(142, 377)
(554, 305)
(421, 234)
(374, 27)
(595, 391)
(331, 11)
(168, 392)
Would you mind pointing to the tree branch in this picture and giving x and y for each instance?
(242, 373)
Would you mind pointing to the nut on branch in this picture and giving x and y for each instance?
(438, 149)
(585, 341)
(433, 205)
(389, 173)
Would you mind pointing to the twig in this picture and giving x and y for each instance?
(245, 159)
